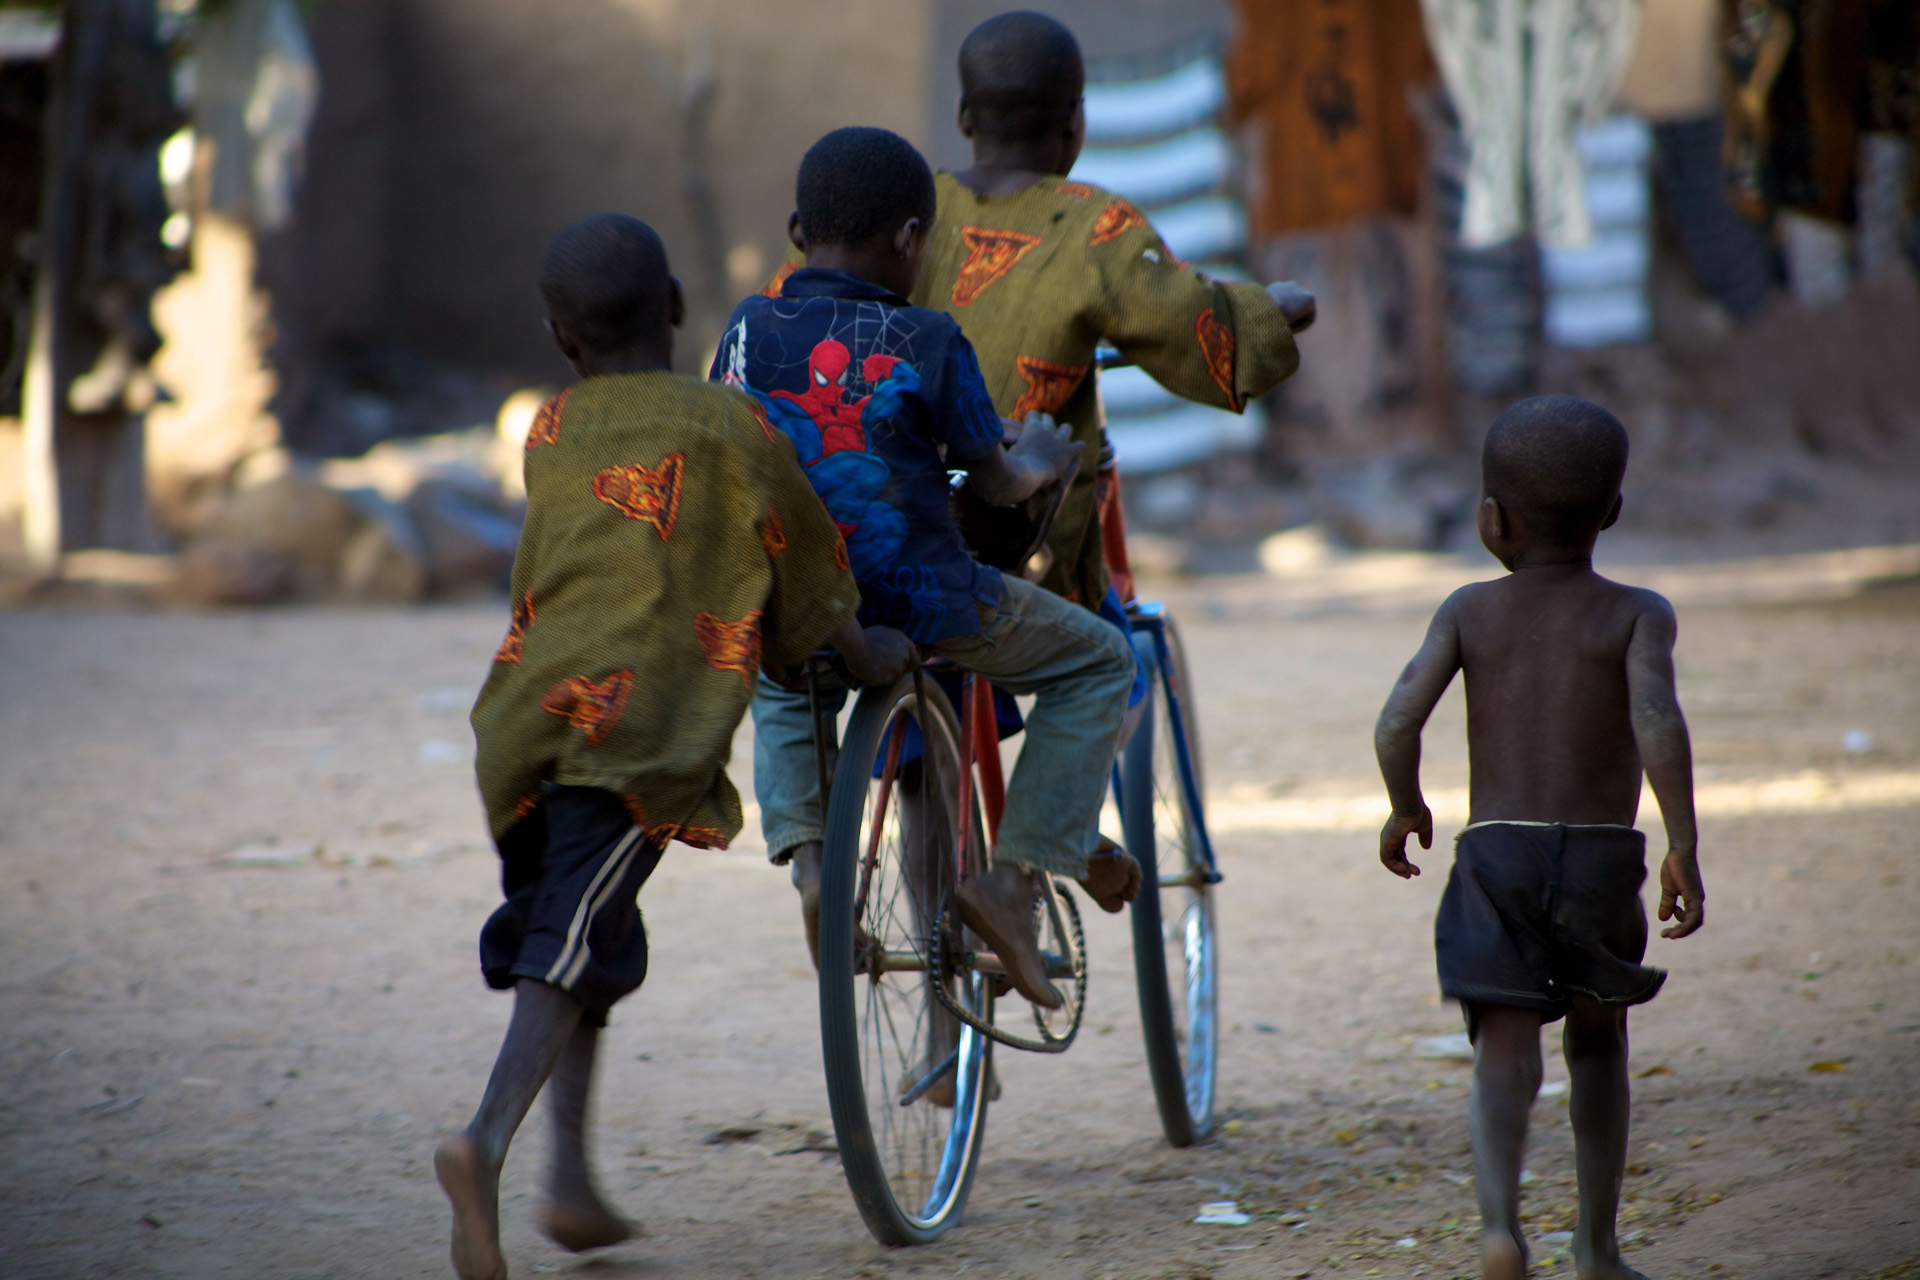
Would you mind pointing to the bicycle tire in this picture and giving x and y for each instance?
(1160, 822)
(911, 1180)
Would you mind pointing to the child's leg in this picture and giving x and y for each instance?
(786, 773)
(786, 782)
(1506, 1078)
(1079, 667)
(575, 1217)
(1596, 1048)
(468, 1164)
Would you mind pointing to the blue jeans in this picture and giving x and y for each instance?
(1078, 666)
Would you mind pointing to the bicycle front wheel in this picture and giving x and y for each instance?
(1175, 958)
(906, 1080)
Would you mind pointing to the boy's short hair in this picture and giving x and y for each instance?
(605, 280)
(1558, 461)
(857, 183)
(1020, 76)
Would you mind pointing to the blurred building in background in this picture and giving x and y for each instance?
(1703, 212)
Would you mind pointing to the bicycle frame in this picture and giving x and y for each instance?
(980, 749)
(1150, 618)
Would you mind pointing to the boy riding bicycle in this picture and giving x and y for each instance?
(881, 398)
(1039, 269)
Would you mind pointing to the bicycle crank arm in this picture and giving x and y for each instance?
(930, 1079)
(1192, 880)
(898, 962)
(1057, 966)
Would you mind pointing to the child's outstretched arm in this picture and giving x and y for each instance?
(1396, 739)
(1667, 755)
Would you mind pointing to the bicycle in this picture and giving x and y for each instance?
(908, 995)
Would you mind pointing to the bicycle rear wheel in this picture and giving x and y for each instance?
(906, 1081)
(1176, 962)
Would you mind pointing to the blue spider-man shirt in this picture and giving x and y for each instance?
(880, 399)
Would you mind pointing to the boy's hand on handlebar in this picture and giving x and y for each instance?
(875, 655)
(1295, 303)
(1049, 445)
(1038, 458)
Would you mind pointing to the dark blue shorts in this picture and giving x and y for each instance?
(1534, 913)
(572, 871)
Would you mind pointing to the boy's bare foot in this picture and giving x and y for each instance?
(1614, 1270)
(1113, 877)
(1502, 1257)
(475, 1193)
(999, 907)
(585, 1225)
(806, 879)
(806, 861)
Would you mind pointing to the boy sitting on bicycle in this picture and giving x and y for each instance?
(881, 398)
(1039, 269)
(672, 545)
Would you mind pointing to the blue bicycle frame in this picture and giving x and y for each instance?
(1149, 618)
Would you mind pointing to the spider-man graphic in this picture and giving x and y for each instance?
(825, 399)
(830, 433)
(877, 398)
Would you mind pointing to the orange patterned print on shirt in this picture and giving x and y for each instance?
(1049, 385)
(646, 493)
(658, 833)
(760, 416)
(730, 646)
(774, 285)
(1118, 218)
(1078, 190)
(516, 641)
(1216, 344)
(773, 534)
(840, 554)
(990, 255)
(591, 706)
(546, 421)
(699, 837)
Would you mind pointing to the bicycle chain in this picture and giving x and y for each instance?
(947, 935)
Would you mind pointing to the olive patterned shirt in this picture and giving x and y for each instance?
(672, 550)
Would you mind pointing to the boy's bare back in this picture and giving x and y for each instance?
(1553, 657)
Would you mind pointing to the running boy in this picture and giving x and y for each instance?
(881, 399)
(1039, 269)
(1569, 697)
(672, 548)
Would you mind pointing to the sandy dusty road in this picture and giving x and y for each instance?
(216, 1071)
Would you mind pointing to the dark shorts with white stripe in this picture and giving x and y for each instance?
(572, 871)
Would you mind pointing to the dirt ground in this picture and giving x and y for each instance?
(220, 1070)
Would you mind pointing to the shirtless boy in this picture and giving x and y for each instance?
(1570, 698)
(648, 592)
